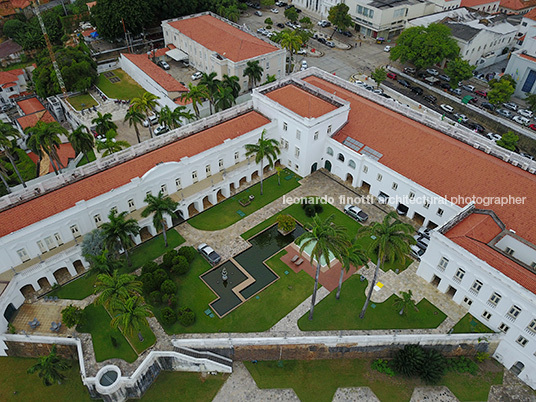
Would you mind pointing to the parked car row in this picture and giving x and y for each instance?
(324, 40)
(422, 239)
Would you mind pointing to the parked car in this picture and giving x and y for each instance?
(476, 127)
(324, 23)
(209, 253)
(387, 48)
(447, 108)
(409, 70)
(152, 120)
(469, 88)
(481, 93)
(444, 85)
(330, 43)
(304, 65)
(487, 105)
(404, 83)
(430, 98)
(416, 90)
(525, 155)
(461, 117)
(197, 75)
(391, 75)
(525, 113)
(417, 252)
(275, 10)
(521, 120)
(456, 91)
(302, 52)
(432, 71)
(258, 13)
(356, 213)
(161, 129)
(493, 137)
(163, 64)
(510, 105)
(504, 113)
(280, 25)
(444, 77)
(533, 126)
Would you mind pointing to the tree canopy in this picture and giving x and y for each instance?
(425, 46)
(108, 17)
(458, 70)
(379, 75)
(28, 34)
(500, 91)
(508, 141)
(339, 17)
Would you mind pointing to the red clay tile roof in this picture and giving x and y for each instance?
(88, 32)
(158, 75)
(222, 38)
(300, 101)
(30, 106)
(65, 152)
(52, 203)
(438, 162)
(474, 3)
(517, 5)
(10, 76)
(9, 85)
(20, 3)
(91, 4)
(530, 15)
(31, 120)
(528, 57)
(473, 234)
(8, 48)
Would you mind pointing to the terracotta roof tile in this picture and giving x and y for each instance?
(162, 78)
(29, 106)
(528, 57)
(222, 38)
(91, 4)
(517, 5)
(65, 152)
(438, 162)
(10, 76)
(473, 3)
(31, 120)
(300, 101)
(8, 48)
(9, 85)
(531, 15)
(52, 203)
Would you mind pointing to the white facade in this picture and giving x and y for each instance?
(11, 83)
(522, 63)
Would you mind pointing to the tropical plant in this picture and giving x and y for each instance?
(391, 239)
(264, 148)
(379, 75)
(210, 82)
(4, 177)
(508, 141)
(116, 288)
(291, 14)
(159, 206)
(232, 82)
(72, 316)
(196, 94)
(45, 137)
(93, 244)
(351, 255)
(118, 232)
(110, 144)
(326, 238)
(82, 141)
(278, 171)
(223, 98)
(404, 302)
(134, 117)
(131, 314)
(146, 104)
(286, 223)
(253, 71)
(291, 41)
(103, 263)
(180, 113)
(7, 135)
(434, 367)
(531, 100)
(103, 123)
(382, 366)
(458, 70)
(501, 91)
(408, 361)
(339, 17)
(49, 368)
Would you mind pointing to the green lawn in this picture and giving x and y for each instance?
(333, 314)
(464, 326)
(17, 385)
(127, 88)
(84, 161)
(82, 101)
(318, 380)
(181, 386)
(78, 289)
(275, 302)
(224, 214)
(152, 249)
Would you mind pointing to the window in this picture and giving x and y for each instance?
(97, 219)
(533, 264)
(494, 299)
(365, 169)
(486, 315)
(467, 301)
(58, 239)
(426, 204)
(509, 251)
(522, 341)
(194, 176)
(23, 254)
(460, 273)
(351, 163)
(75, 231)
(297, 152)
(208, 171)
(296, 167)
(236, 157)
(298, 134)
(379, 177)
(163, 190)
(513, 312)
(394, 186)
(440, 211)
(131, 205)
(475, 288)
(285, 144)
(42, 247)
(220, 164)
(340, 157)
(267, 65)
(113, 210)
(148, 193)
(329, 129)
(285, 126)
(178, 184)
(532, 326)
(315, 137)
(330, 151)
(49, 241)
(503, 327)
(411, 195)
(443, 264)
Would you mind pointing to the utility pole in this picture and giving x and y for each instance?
(126, 36)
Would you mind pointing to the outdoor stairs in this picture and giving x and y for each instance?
(198, 354)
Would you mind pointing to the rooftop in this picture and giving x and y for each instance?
(444, 165)
(31, 120)
(517, 5)
(301, 101)
(463, 31)
(10, 76)
(474, 3)
(65, 153)
(222, 38)
(59, 200)
(29, 106)
(8, 48)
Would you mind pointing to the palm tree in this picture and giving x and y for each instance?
(165, 116)
(117, 232)
(253, 71)
(103, 123)
(44, 137)
(131, 314)
(160, 206)
(291, 41)
(180, 113)
(326, 238)
(134, 117)
(210, 82)
(145, 104)
(391, 239)
(7, 134)
(82, 141)
(264, 148)
(224, 98)
(196, 94)
(405, 302)
(49, 368)
(116, 288)
(101, 263)
(352, 255)
(278, 171)
(232, 82)
(4, 176)
(111, 145)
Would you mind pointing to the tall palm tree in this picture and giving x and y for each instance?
(116, 288)
(145, 104)
(82, 141)
(159, 206)
(44, 137)
(232, 82)
(224, 98)
(7, 135)
(291, 41)
(253, 71)
(326, 238)
(131, 314)
(111, 145)
(165, 116)
(210, 82)
(103, 123)
(404, 302)
(391, 239)
(118, 230)
(352, 255)
(134, 117)
(181, 113)
(196, 94)
(264, 148)
(49, 368)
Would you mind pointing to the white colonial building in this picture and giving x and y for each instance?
(436, 174)
(522, 63)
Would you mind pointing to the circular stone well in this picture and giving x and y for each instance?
(108, 379)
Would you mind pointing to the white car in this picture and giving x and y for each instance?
(302, 51)
(197, 75)
(461, 117)
(525, 113)
(209, 253)
(521, 120)
(161, 129)
(432, 71)
(152, 120)
(304, 65)
(275, 10)
(356, 213)
(493, 137)
(387, 48)
(447, 108)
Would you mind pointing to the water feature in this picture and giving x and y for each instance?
(108, 378)
(224, 289)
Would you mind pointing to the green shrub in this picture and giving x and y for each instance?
(72, 316)
(168, 316)
(318, 208)
(286, 223)
(114, 341)
(382, 366)
(408, 361)
(189, 252)
(167, 260)
(155, 297)
(180, 265)
(159, 277)
(11, 328)
(481, 356)
(169, 300)
(310, 211)
(168, 287)
(149, 283)
(186, 316)
(462, 364)
(149, 267)
(433, 368)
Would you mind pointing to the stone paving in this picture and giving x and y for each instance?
(357, 394)
(433, 394)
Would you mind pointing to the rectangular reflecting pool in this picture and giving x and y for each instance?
(249, 275)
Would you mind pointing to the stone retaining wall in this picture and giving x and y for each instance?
(30, 349)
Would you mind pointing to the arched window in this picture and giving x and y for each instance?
(340, 157)
(330, 151)
(351, 163)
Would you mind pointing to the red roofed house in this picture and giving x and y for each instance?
(32, 111)
(12, 83)
(488, 6)
(518, 7)
(217, 45)
(10, 52)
